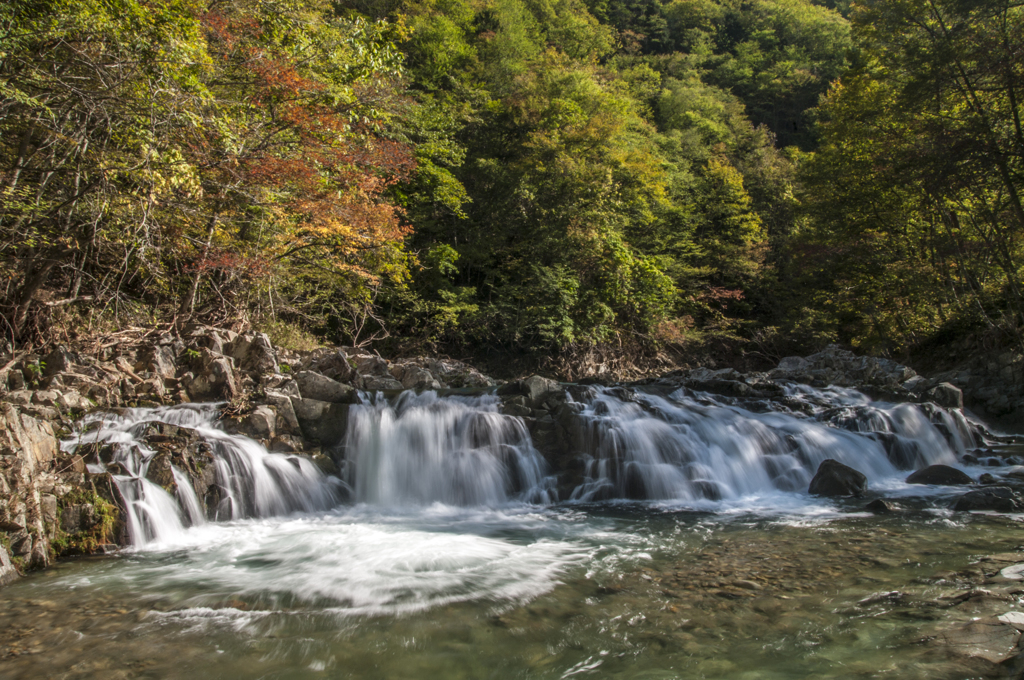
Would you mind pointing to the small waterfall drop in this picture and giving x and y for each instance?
(693, 446)
(455, 450)
(250, 482)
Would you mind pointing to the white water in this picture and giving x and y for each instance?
(689, 447)
(456, 450)
(251, 481)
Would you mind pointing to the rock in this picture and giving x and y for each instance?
(260, 424)
(58, 361)
(287, 421)
(159, 360)
(332, 363)
(45, 397)
(19, 397)
(991, 640)
(939, 474)
(794, 364)
(986, 479)
(287, 444)
(214, 378)
(946, 395)
(254, 353)
(374, 383)
(416, 378)
(73, 402)
(160, 473)
(835, 479)
(882, 506)
(995, 498)
(371, 365)
(78, 518)
(321, 421)
(537, 390)
(7, 571)
(319, 387)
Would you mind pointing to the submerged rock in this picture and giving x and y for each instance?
(835, 479)
(997, 498)
(940, 474)
(881, 506)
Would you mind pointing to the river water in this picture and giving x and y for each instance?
(754, 580)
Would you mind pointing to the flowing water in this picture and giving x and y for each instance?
(455, 560)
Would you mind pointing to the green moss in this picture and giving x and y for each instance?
(85, 542)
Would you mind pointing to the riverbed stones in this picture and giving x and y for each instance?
(942, 475)
(835, 479)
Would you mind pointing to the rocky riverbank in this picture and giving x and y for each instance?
(297, 403)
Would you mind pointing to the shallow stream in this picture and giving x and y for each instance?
(450, 561)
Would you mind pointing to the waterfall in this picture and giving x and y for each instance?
(456, 450)
(249, 481)
(693, 446)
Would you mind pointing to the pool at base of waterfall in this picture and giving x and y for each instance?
(627, 590)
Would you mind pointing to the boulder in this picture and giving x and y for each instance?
(537, 390)
(254, 353)
(160, 473)
(995, 498)
(322, 421)
(287, 421)
(882, 506)
(416, 378)
(214, 378)
(332, 363)
(319, 387)
(7, 571)
(946, 395)
(371, 365)
(835, 479)
(374, 383)
(939, 474)
(260, 424)
(159, 360)
(58, 361)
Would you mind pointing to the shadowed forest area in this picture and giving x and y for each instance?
(550, 178)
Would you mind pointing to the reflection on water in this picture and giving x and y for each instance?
(627, 591)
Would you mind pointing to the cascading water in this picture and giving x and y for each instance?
(251, 482)
(693, 446)
(455, 450)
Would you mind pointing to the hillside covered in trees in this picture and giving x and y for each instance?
(531, 176)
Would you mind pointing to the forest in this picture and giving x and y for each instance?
(532, 177)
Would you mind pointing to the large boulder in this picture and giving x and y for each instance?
(996, 498)
(940, 474)
(835, 479)
(315, 386)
